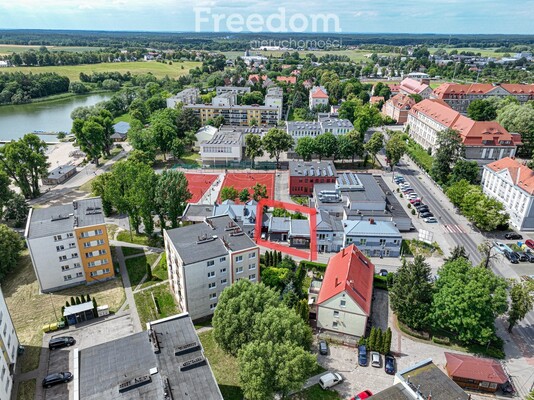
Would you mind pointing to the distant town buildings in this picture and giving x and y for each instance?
(9, 343)
(69, 244)
(204, 258)
(512, 183)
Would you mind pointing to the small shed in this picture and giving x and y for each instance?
(121, 131)
(59, 175)
(79, 313)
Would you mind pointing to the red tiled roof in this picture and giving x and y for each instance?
(287, 79)
(479, 369)
(402, 101)
(256, 78)
(394, 87)
(481, 88)
(351, 272)
(411, 86)
(376, 99)
(520, 174)
(318, 93)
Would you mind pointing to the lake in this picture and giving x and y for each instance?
(47, 116)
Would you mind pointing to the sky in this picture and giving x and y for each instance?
(344, 16)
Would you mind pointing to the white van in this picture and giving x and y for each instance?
(330, 379)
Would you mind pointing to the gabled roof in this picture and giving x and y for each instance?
(476, 368)
(522, 176)
(481, 88)
(287, 79)
(402, 101)
(351, 272)
(411, 86)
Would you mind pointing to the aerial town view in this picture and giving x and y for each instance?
(226, 200)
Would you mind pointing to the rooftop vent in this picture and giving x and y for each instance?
(205, 238)
(193, 363)
(134, 383)
(153, 338)
(60, 217)
(187, 348)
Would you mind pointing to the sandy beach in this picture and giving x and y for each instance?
(58, 154)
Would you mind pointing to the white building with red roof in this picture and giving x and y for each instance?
(318, 97)
(411, 86)
(398, 107)
(459, 96)
(484, 141)
(342, 301)
(512, 183)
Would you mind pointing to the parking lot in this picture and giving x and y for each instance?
(86, 335)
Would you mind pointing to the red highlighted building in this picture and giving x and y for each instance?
(304, 175)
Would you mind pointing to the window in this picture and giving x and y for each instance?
(79, 274)
(62, 258)
(74, 255)
(57, 237)
(211, 274)
(252, 277)
(224, 281)
(252, 266)
(212, 285)
(65, 267)
(67, 277)
(212, 306)
(60, 248)
(252, 255)
(342, 303)
(71, 245)
(210, 263)
(213, 296)
(363, 242)
(239, 259)
(334, 324)
(239, 270)
(336, 314)
(382, 242)
(222, 259)
(69, 235)
(98, 231)
(223, 270)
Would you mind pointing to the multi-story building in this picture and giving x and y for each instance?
(69, 244)
(186, 96)
(227, 99)
(318, 97)
(398, 107)
(341, 302)
(304, 175)
(225, 146)
(421, 87)
(9, 345)
(275, 98)
(324, 124)
(232, 89)
(237, 115)
(459, 96)
(512, 183)
(484, 141)
(204, 258)
(373, 238)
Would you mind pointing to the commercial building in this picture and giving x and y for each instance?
(398, 107)
(484, 141)
(69, 244)
(512, 183)
(166, 361)
(318, 97)
(304, 175)
(204, 258)
(341, 302)
(9, 343)
(186, 96)
(237, 115)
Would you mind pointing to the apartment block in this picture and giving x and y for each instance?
(9, 345)
(186, 96)
(204, 258)
(69, 244)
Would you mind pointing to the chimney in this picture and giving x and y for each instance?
(518, 176)
(372, 221)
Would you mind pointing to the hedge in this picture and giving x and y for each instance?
(412, 332)
(314, 266)
(380, 282)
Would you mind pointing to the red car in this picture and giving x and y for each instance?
(530, 243)
(363, 395)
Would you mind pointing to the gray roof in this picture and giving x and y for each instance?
(294, 126)
(312, 169)
(64, 218)
(121, 127)
(366, 228)
(371, 191)
(233, 137)
(61, 170)
(300, 227)
(325, 222)
(106, 366)
(393, 205)
(279, 224)
(197, 212)
(395, 392)
(208, 239)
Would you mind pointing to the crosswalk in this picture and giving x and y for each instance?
(454, 228)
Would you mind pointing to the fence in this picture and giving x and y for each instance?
(260, 165)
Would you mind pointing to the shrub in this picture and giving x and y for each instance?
(380, 282)
(413, 212)
(441, 340)
(314, 266)
(401, 196)
(412, 332)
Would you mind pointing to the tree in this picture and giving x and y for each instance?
(522, 296)
(253, 147)
(172, 194)
(244, 195)
(282, 324)
(467, 300)
(386, 343)
(302, 309)
(449, 148)
(17, 210)
(148, 272)
(5, 192)
(350, 145)
(371, 342)
(411, 293)
(457, 191)
(270, 368)
(277, 141)
(164, 130)
(395, 149)
(458, 252)
(519, 118)
(10, 247)
(467, 170)
(229, 193)
(305, 147)
(325, 145)
(374, 145)
(177, 148)
(379, 340)
(90, 138)
(482, 110)
(25, 162)
(239, 305)
(259, 192)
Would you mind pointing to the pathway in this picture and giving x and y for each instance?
(128, 290)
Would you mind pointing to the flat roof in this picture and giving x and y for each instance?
(312, 168)
(78, 308)
(59, 171)
(143, 370)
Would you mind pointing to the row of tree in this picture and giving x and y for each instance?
(18, 88)
(259, 192)
(378, 340)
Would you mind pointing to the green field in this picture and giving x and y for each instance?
(13, 48)
(159, 70)
(490, 52)
(354, 55)
(146, 308)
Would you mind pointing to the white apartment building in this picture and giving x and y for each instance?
(9, 343)
(232, 89)
(186, 96)
(69, 244)
(204, 258)
(336, 126)
(511, 183)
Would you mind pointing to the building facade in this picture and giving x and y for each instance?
(511, 183)
(398, 107)
(304, 175)
(204, 258)
(69, 245)
(324, 124)
(318, 97)
(9, 344)
(373, 238)
(186, 96)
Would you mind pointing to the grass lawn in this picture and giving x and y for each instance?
(124, 236)
(160, 272)
(123, 118)
(30, 309)
(316, 393)
(137, 267)
(112, 229)
(26, 390)
(159, 70)
(224, 367)
(146, 308)
(130, 251)
(354, 55)
(87, 186)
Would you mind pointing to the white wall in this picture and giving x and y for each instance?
(9, 342)
(351, 319)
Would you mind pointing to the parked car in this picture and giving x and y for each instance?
(57, 378)
(323, 347)
(530, 243)
(383, 272)
(376, 360)
(426, 214)
(389, 365)
(521, 255)
(362, 356)
(513, 236)
(413, 195)
(430, 220)
(529, 255)
(362, 395)
(330, 379)
(511, 257)
(61, 341)
(423, 208)
(501, 247)
(416, 203)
